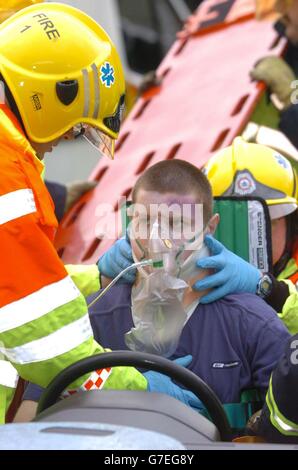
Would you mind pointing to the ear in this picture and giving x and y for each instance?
(212, 224)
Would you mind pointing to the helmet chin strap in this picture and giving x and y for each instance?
(10, 102)
(292, 222)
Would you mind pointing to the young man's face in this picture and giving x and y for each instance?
(167, 221)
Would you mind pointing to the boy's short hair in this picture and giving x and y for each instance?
(177, 176)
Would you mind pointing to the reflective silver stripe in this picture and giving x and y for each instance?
(39, 303)
(16, 204)
(48, 347)
(286, 427)
(282, 426)
(8, 374)
(86, 93)
(96, 91)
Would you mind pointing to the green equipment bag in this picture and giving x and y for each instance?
(245, 229)
(238, 414)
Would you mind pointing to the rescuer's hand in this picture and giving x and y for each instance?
(161, 383)
(232, 273)
(117, 258)
(278, 76)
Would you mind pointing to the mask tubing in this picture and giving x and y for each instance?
(113, 282)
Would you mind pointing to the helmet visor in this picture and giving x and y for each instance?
(103, 143)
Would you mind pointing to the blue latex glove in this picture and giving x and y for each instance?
(161, 383)
(233, 273)
(117, 258)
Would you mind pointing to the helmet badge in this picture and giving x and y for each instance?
(244, 184)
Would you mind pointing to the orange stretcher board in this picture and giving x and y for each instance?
(205, 99)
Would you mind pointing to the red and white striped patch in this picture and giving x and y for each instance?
(95, 382)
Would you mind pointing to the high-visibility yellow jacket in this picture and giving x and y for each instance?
(289, 275)
(44, 322)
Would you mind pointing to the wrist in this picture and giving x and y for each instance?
(264, 286)
(279, 294)
(104, 281)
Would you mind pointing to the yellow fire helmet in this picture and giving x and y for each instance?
(9, 7)
(246, 169)
(64, 73)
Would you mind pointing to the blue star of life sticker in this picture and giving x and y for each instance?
(280, 160)
(107, 77)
